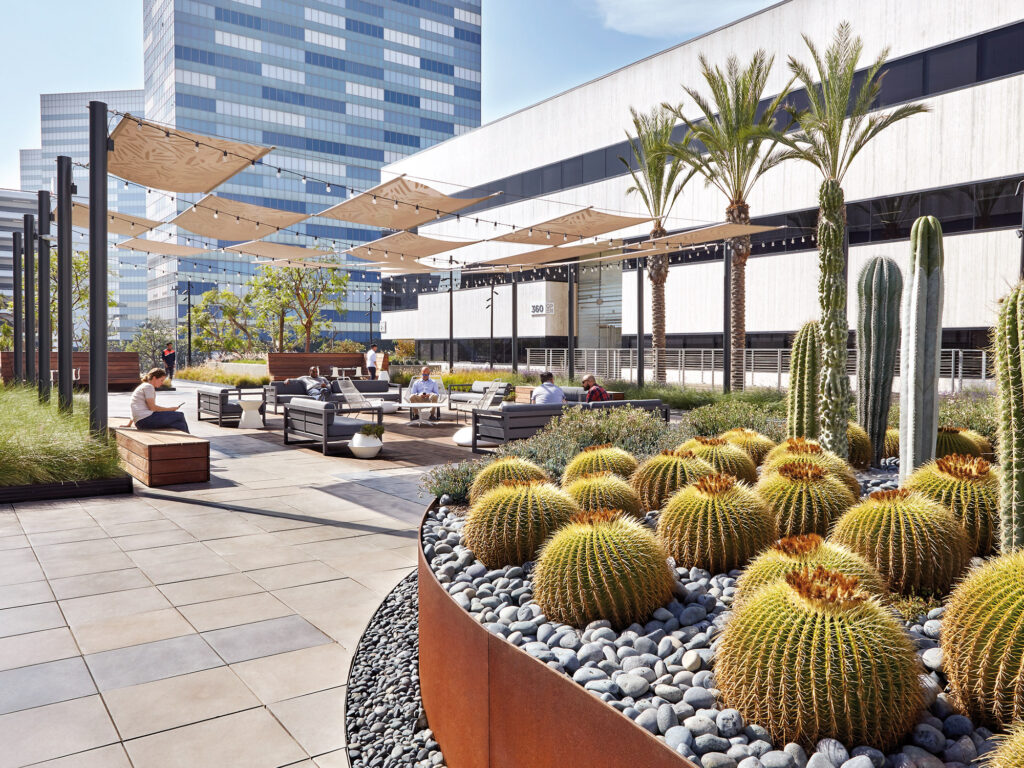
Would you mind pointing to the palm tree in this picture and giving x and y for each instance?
(833, 130)
(731, 144)
(658, 180)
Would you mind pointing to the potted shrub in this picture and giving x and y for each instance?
(366, 443)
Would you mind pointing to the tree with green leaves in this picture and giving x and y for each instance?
(272, 304)
(6, 326)
(836, 126)
(311, 291)
(223, 322)
(731, 142)
(149, 340)
(658, 179)
(79, 298)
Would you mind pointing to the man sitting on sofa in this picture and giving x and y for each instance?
(424, 390)
(595, 392)
(548, 393)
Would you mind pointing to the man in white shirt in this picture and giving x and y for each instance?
(548, 393)
(424, 390)
(371, 361)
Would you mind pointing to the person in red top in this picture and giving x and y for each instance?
(595, 392)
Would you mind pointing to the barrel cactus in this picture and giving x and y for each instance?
(804, 379)
(754, 443)
(506, 469)
(716, 523)
(879, 288)
(508, 524)
(983, 642)
(662, 475)
(953, 440)
(1009, 354)
(809, 452)
(806, 552)
(969, 487)
(723, 456)
(804, 497)
(1009, 751)
(600, 458)
(891, 449)
(914, 542)
(602, 569)
(604, 490)
(814, 655)
(859, 447)
(921, 321)
(988, 452)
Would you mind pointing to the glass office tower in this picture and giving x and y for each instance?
(339, 87)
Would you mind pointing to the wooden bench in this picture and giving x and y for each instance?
(163, 457)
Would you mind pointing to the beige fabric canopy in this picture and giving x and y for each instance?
(586, 222)
(226, 219)
(407, 244)
(117, 223)
(175, 160)
(562, 253)
(400, 203)
(158, 247)
(265, 250)
(300, 264)
(715, 232)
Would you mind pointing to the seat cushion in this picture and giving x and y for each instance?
(213, 391)
(575, 394)
(464, 397)
(230, 408)
(344, 426)
(367, 386)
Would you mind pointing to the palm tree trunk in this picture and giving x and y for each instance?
(835, 332)
(738, 212)
(657, 269)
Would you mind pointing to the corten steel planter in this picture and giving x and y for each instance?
(11, 494)
(491, 705)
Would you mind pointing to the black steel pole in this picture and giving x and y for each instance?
(64, 320)
(639, 323)
(99, 145)
(726, 319)
(19, 312)
(371, 323)
(451, 322)
(188, 321)
(45, 329)
(490, 350)
(515, 325)
(572, 322)
(1020, 233)
(29, 243)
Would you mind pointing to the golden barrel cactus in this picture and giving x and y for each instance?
(723, 456)
(858, 445)
(600, 458)
(1009, 751)
(799, 449)
(504, 470)
(804, 497)
(604, 490)
(950, 440)
(988, 451)
(754, 443)
(662, 475)
(969, 487)
(891, 449)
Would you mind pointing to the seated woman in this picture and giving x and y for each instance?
(146, 414)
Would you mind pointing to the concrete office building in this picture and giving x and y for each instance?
(340, 88)
(961, 163)
(13, 207)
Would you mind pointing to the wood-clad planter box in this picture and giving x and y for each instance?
(164, 457)
(291, 365)
(491, 705)
(12, 494)
(122, 368)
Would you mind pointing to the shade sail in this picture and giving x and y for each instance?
(563, 253)
(156, 246)
(176, 160)
(226, 219)
(117, 223)
(400, 203)
(586, 222)
(714, 233)
(407, 244)
(263, 249)
(298, 263)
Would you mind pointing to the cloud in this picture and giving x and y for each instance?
(672, 19)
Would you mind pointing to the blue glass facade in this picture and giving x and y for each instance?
(339, 87)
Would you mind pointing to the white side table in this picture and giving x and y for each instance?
(251, 418)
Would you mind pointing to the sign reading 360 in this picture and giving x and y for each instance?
(542, 309)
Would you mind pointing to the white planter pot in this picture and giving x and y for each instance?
(364, 446)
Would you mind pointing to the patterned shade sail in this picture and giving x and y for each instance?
(715, 232)
(265, 250)
(226, 219)
(562, 253)
(577, 225)
(176, 160)
(158, 247)
(407, 244)
(117, 223)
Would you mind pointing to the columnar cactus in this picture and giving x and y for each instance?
(602, 569)
(662, 475)
(879, 288)
(604, 490)
(723, 456)
(804, 379)
(716, 523)
(810, 452)
(1009, 751)
(754, 443)
(506, 469)
(914, 542)
(950, 441)
(969, 487)
(835, 329)
(983, 642)
(920, 346)
(508, 524)
(858, 446)
(814, 655)
(600, 458)
(804, 497)
(1009, 353)
(806, 552)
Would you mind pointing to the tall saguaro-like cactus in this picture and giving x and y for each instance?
(920, 346)
(804, 377)
(1009, 339)
(879, 288)
(835, 383)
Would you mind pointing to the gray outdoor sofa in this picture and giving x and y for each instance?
(282, 392)
(470, 393)
(216, 402)
(321, 422)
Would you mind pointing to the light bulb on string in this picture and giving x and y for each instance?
(224, 156)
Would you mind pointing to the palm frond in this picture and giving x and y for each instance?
(657, 174)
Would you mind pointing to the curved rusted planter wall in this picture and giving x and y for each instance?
(491, 705)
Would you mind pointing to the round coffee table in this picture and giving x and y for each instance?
(251, 418)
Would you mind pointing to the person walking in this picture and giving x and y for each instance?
(548, 393)
(424, 390)
(146, 414)
(169, 356)
(595, 392)
(371, 361)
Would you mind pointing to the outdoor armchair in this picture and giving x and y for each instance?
(320, 422)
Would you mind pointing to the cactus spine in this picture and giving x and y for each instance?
(662, 475)
(604, 490)
(1009, 350)
(969, 487)
(805, 498)
(599, 458)
(723, 456)
(920, 346)
(879, 288)
(1009, 751)
(504, 470)
(754, 443)
(804, 378)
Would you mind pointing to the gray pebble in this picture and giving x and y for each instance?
(679, 735)
(861, 761)
(708, 742)
(717, 760)
(877, 758)
(730, 723)
(778, 759)
(632, 685)
(820, 760)
(834, 751)
(699, 698)
(750, 762)
(798, 753)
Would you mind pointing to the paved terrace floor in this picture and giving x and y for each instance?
(166, 629)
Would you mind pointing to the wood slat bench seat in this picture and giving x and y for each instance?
(163, 457)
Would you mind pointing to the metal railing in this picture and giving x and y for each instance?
(761, 367)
